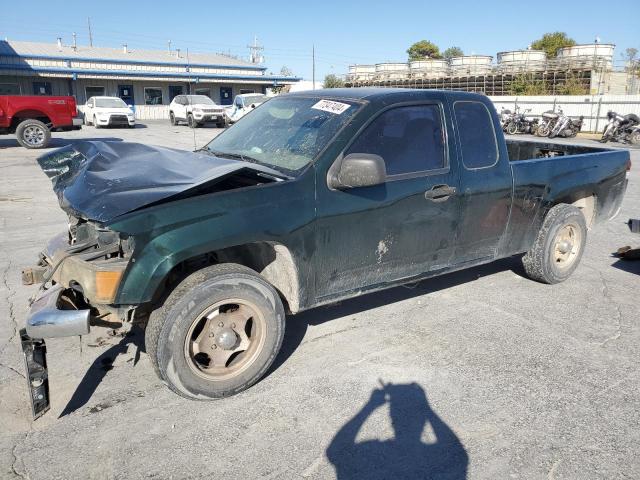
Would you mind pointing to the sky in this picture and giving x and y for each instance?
(343, 32)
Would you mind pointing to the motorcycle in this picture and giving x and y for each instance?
(623, 129)
(519, 123)
(505, 117)
(549, 120)
(566, 127)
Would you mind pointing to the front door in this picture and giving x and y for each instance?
(125, 92)
(401, 229)
(226, 95)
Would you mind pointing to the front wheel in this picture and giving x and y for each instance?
(542, 131)
(635, 137)
(559, 245)
(190, 121)
(217, 333)
(33, 134)
(172, 118)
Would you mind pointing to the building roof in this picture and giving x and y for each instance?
(134, 55)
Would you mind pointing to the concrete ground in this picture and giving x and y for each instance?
(485, 373)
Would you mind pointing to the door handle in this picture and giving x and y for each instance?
(440, 193)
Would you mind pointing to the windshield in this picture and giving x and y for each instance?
(200, 100)
(285, 132)
(110, 103)
(249, 99)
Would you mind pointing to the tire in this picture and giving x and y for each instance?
(190, 122)
(170, 332)
(635, 137)
(512, 128)
(95, 122)
(221, 125)
(172, 119)
(542, 131)
(86, 121)
(33, 134)
(550, 259)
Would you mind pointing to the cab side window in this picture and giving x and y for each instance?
(477, 135)
(410, 139)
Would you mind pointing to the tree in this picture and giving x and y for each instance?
(423, 49)
(286, 71)
(551, 42)
(451, 52)
(332, 81)
(630, 55)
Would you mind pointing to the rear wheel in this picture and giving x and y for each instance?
(217, 332)
(635, 137)
(559, 245)
(33, 134)
(512, 128)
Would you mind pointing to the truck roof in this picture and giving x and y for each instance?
(374, 93)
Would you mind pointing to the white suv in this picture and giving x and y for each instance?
(243, 104)
(195, 110)
(108, 111)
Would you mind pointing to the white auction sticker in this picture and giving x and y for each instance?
(331, 106)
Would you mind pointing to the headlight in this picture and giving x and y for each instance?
(197, 110)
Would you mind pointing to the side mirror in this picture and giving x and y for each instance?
(359, 170)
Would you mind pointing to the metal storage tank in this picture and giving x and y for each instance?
(521, 60)
(361, 72)
(392, 71)
(470, 65)
(590, 54)
(429, 68)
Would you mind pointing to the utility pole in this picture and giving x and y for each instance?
(313, 60)
(90, 36)
(255, 49)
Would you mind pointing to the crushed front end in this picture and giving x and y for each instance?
(79, 273)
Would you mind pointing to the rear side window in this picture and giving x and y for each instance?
(477, 135)
(409, 139)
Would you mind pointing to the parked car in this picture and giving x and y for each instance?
(108, 112)
(32, 118)
(196, 110)
(313, 198)
(243, 104)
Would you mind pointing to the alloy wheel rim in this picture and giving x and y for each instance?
(33, 135)
(225, 339)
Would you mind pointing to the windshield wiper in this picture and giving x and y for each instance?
(238, 156)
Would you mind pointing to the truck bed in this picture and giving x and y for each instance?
(528, 150)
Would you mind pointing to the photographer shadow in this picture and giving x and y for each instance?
(406, 456)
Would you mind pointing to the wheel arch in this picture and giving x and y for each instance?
(273, 261)
(29, 114)
(586, 201)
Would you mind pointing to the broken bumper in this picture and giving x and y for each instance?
(47, 320)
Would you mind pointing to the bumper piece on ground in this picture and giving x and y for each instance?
(47, 320)
(35, 362)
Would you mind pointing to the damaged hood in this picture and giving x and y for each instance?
(103, 180)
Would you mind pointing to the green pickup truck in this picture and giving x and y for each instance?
(313, 198)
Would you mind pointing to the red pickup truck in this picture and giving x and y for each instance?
(32, 118)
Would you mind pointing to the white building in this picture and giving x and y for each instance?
(146, 79)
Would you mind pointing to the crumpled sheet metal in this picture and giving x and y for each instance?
(103, 180)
